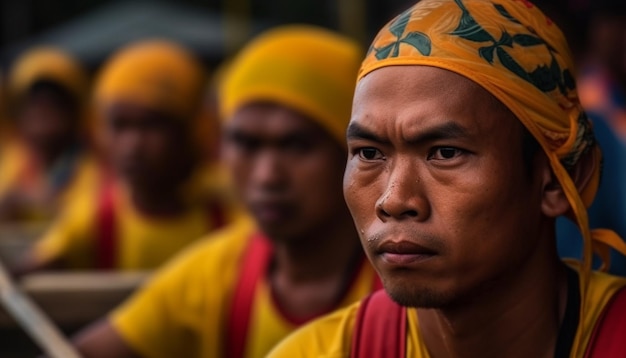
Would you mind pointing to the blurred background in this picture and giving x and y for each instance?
(213, 28)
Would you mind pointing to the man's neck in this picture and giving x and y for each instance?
(149, 201)
(309, 276)
(508, 321)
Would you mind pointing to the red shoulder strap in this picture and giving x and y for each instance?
(607, 339)
(106, 240)
(254, 264)
(380, 328)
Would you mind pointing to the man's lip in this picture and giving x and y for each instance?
(271, 211)
(403, 253)
(404, 247)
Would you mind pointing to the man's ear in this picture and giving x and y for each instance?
(554, 201)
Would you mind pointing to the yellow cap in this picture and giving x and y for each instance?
(155, 74)
(308, 69)
(47, 63)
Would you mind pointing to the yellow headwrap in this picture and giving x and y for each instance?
(47, 63)
(305, 68)
(157, 75)
(510, 48)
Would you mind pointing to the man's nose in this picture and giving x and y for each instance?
(404, 196)
(268, 170)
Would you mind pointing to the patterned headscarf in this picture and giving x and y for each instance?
(306, 68)
(511, 49)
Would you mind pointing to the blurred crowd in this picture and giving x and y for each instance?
(155, 152)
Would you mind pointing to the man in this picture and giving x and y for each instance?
(44, 153)
(156, 198)
(466, 141)
(286, 102)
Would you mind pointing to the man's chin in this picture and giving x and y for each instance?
(418, 297)
(279, 232)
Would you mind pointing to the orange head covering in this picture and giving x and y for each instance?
(51, 64)
(157, 75)
(511, 49)
(305, 68)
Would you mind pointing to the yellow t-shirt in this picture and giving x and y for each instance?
(331, 336)
(183, 311)
(41, 193)
(141, 242)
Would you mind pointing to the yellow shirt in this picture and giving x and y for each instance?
(331, 336)
(183, 312)
(40, 193)
(141, 242)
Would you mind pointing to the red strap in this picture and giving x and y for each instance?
(380, 328)
(106, 225)
(607, 339)
(377, 285)
(254, 265)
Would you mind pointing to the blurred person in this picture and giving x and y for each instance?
(285, 101)
(602, 81)
(44, 154)
(601, 87)
(467, 140)
(158, 197)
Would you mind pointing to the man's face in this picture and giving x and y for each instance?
(145, 147)
(286, 168)
(46, 123)
(437, 187)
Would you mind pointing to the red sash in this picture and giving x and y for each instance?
(380, 329)
(106, 240)
(255, 264)
(607, 339)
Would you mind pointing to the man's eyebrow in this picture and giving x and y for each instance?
(447, 130)
(356, 131)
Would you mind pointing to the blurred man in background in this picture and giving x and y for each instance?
(157, 196)
(44, 152)
(286, 102)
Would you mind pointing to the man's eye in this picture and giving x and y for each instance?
(443, 153)
(370, 154)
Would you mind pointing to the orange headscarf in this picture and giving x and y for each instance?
(511, 49)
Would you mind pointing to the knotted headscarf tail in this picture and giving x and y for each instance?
(305, 68)
(511, 49)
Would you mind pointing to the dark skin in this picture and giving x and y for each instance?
(151, 152)
(47, 121)
(481, 267)
(288, 172)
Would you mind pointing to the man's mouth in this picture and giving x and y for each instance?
(403, 252)
(272, 211)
